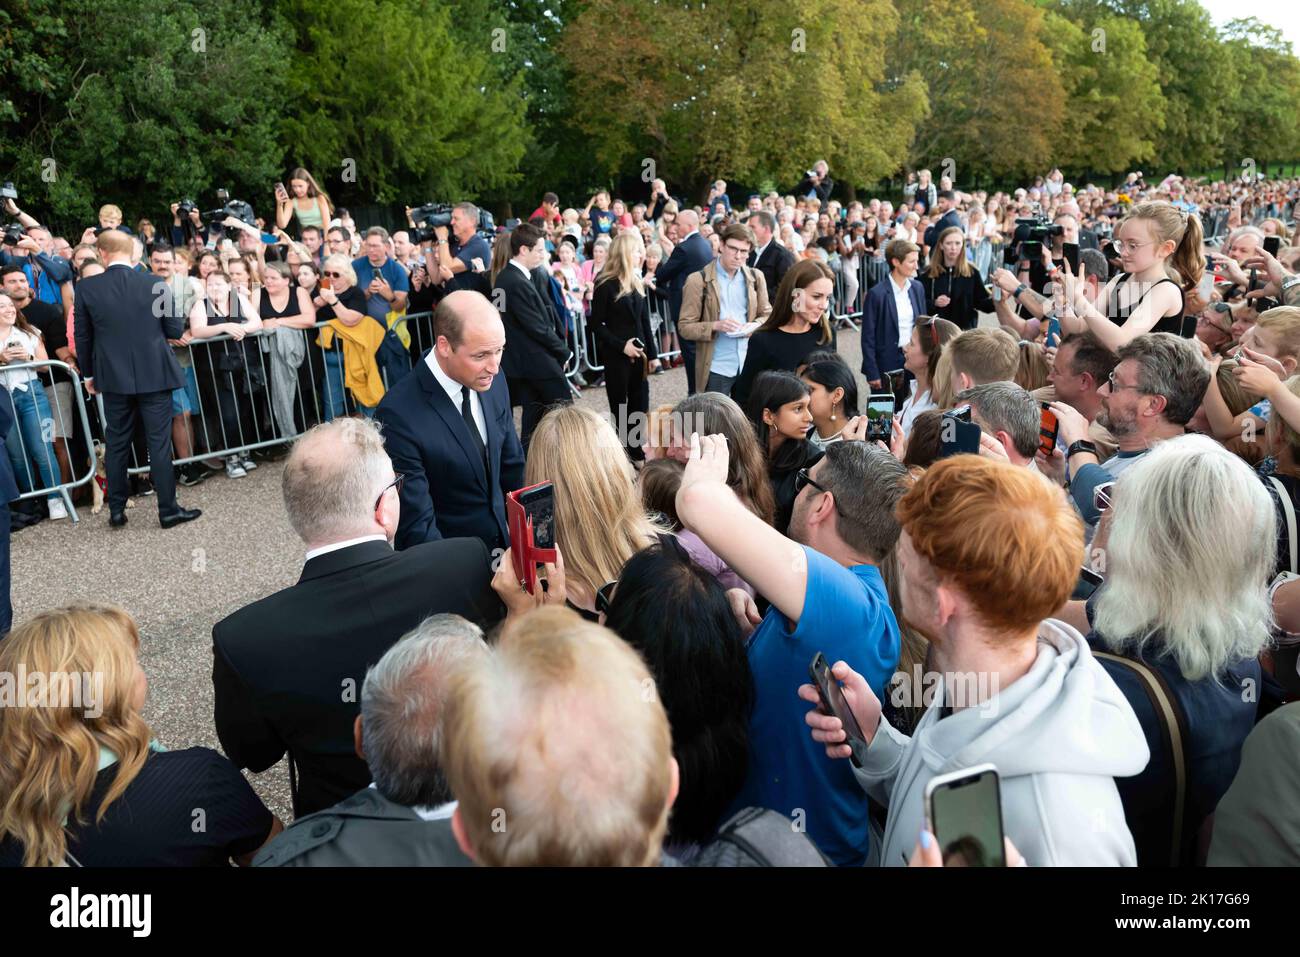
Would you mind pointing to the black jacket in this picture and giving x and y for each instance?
(689, 256)
(773, 264)
(287, 670)
(948, 219)
(967, 294)
(616, 319)
(123, 321)
(533, 348)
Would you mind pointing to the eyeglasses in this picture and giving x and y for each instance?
(605, 595)
(395, 483)
(333, 275)
(1128, 245)
(802, 478)
(1116, 386)
(739, 251)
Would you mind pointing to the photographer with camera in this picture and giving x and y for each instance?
(28, 244)
(464, 263)
(816, 182)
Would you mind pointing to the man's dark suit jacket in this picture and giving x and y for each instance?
(689, 256)
(533, 349)
(949, 218)
(287, 670)
(446, 493)
(880, 352)
(123, 321)
(773, 264)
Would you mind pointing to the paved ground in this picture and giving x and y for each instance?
(177, 583)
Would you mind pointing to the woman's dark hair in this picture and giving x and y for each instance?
(799, 276)
(677, 616)
(773, 389)
(934, 333)
(923, 442)
(836, 374)
(818, 355)
(659, 480)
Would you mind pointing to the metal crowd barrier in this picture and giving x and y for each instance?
(42, 428)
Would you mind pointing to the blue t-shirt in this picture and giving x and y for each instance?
(602, 220)
(476, 248)
(846, 616)
(377, 306)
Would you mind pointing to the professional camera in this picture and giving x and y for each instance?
(13, 232)
(7, 191)
(1027, 246)
(185, 207)
(237, 208)
(430, 216)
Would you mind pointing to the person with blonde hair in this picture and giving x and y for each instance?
(84, 783)
(620, 320)
(552, 734)
(599, 520)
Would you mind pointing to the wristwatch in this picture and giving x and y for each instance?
(1081, 445)
(1019, 289)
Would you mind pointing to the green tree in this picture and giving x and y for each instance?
(1261, 122)
(403, 100)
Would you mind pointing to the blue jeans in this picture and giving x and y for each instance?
(333, 402)
(27, 439)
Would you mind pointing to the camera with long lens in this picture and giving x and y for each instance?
(430, 216)
(1027, 245)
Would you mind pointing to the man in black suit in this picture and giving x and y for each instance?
(287, 670)
(450, 431)
(8, 492)
(123, 321)
(691, 254)
(946, 204)
(535, 351)
(768, 256)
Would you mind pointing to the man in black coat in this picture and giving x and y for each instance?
(691, 254)
(535, 351)
(768, 256)
(287, 670)
(449, 430)
(123, 321)
(946, 204)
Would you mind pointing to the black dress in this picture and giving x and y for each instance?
(1179, 325)
(776, 350)
(615, 319)
(967, 297)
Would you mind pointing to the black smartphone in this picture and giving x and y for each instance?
(1071, 253)
(964, 813)
(1088, 582)
(639, 344)
(958, 435)
(1047, 429)
(1109, 251)
(828, 689)
(880, 417)
(539, 506)
(1272, 245)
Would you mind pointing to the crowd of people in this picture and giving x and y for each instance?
(1048, 525)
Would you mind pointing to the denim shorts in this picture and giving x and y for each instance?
(186, 398)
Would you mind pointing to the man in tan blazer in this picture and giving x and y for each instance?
(720, 305)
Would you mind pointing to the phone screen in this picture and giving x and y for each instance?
(880, 417)
(966, 816)
(1053, 332)
(832, 696)
(1047, 426)
(1272, 244)
(957, 435)
(1087, 583)
(539, 506)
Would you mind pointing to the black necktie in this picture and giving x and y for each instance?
(467, 413)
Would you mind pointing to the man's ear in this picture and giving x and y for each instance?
(356, 738)
(675, 781)
(945, 603)
(462, 839)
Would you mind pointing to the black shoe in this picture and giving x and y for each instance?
(192, 474)
(116, 519)
(177, 517)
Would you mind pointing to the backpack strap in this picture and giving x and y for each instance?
(1173, 727)
(1289, 511)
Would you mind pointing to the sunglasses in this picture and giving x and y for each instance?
(333, 275)
(933, 328)
(395, 483)
(802, 479)
(605, 595)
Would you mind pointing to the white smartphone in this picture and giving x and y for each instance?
(963, 811)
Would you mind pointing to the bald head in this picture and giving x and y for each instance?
(688, 220)
(470, 338)
(331, 481)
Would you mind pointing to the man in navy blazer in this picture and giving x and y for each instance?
(8, 492)
(450, 431)
(691, 254)
(881, 350)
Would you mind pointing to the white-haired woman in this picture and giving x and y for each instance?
(1184, 549)
(337, 298)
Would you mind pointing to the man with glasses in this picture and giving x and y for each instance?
(718, 305)
(1150, 396)
(287, 670)
(827, 596)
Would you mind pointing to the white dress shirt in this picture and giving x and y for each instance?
(906, 314)
(326, 549)
(453, 390)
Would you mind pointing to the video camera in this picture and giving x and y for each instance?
(1027, 245)
(213, 218)
(430, 216)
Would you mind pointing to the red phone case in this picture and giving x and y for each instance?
(524, 553)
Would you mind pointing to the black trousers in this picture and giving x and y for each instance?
(154, 411)
(688, 362)
(629, 394)
(537, 396)
(6, 607)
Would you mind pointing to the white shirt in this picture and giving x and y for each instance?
(758, 253)
(523, 269)
(442, 812)
(914, 406)
(906, 314)
(18, 380)
(453, 390)
(326, 549)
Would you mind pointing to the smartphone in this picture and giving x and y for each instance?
(1089, 581)
(1272, 244)
(1047, 428)
(1053, 332)
(530, 513)
(832, 695)
(281, 191)
(1071, 253)
(880, 417)
(325, 282)
(639, 344)
(958, 435)
(1109, 251)
(963, 811)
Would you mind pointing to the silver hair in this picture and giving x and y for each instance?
(1006, 407)
(469, 209)
(401, 709)
(378, 231)
(332, 478)
(1245, 231)
(343, 264)
(1169, 366)
(1188, 558)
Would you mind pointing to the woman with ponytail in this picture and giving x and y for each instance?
(1160, 251)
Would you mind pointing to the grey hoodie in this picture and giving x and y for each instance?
(1058, 737)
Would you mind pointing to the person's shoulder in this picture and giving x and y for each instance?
(446, 554)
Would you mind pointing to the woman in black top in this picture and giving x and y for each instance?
(780, 408)
(337, 298)
(237, 367)
(799, 323)
(953, 289)
(620, 318)
(92, 788)
(283, 304)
